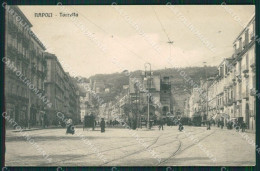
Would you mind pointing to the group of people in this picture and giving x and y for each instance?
(241, 126)
(221, 124)
(113, 123)
(70, 127)
(230, 125)
(161, 123)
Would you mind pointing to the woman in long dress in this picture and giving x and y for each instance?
(70, 128)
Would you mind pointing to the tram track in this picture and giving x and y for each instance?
(116, 148)
(178, 151)
(137, 152)
(154, 141)
(111, 149)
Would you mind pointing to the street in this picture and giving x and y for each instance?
(120, 148)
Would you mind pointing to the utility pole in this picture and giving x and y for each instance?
(206, 90)
(148, 97)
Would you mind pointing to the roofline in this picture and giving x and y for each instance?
(222, 62)
(30, 24)
(21, 13)
(38, 41)
(53, 56)
(251, 19)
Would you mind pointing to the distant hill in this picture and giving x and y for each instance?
(116, 81)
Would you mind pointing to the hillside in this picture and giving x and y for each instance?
(116, 81)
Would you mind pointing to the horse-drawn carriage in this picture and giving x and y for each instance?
(89, 122)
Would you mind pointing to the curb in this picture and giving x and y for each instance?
(24, 130)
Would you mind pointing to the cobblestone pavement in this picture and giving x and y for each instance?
(120, 148)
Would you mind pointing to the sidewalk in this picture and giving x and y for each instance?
(34, 128)
(246, 131)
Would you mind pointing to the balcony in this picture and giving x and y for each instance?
(20, 35)
(238, 50)
(20, 55)
(253, 67)
(11, 51)
(245, 70)
(25, 41)
(221, 106)
(252, 36)
(26, 60)
(238, 97)
(40, 73)
(225, 87)
(33, 68)
(239, 78)
(244, 44)
(245, 95)
(230, 85)
(12, 29)
(253, 92)
(230, 102)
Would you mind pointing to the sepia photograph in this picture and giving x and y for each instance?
(130, 85)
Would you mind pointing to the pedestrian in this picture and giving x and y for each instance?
(208, 125)
(160, 124)
(236, 126)
(243, 126)
(180, 127)
(221, 124)
(102, 125)
(70, 127)
(44, 120)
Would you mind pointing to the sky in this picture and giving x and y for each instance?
(109, 39)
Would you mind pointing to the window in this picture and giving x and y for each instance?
(240, 43)
(246, 36)
(17, 90)
(18, 65)
(247, 62)
(239, 67)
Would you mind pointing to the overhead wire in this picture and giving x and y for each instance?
(120, 43)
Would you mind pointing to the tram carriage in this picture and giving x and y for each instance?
(196, 120)
(89, 122)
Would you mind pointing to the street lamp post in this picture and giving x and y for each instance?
(148, 98)
(206, 89)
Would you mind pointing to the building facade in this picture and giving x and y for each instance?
(61, 90)
(25, 72)
(231, 93)
(149, 88)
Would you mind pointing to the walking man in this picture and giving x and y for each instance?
(102, 125)
(221, 124)
(208, 125)
(243, 126)
(161, 124)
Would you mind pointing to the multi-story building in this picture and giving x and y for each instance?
(85, 99)
(61, 90)
(25, 52)
(194, 103)
(165, 96)
(232, 91)
(244, 62)
(98, 86)
(160, 100)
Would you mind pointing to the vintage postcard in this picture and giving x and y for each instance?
(118, 85)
